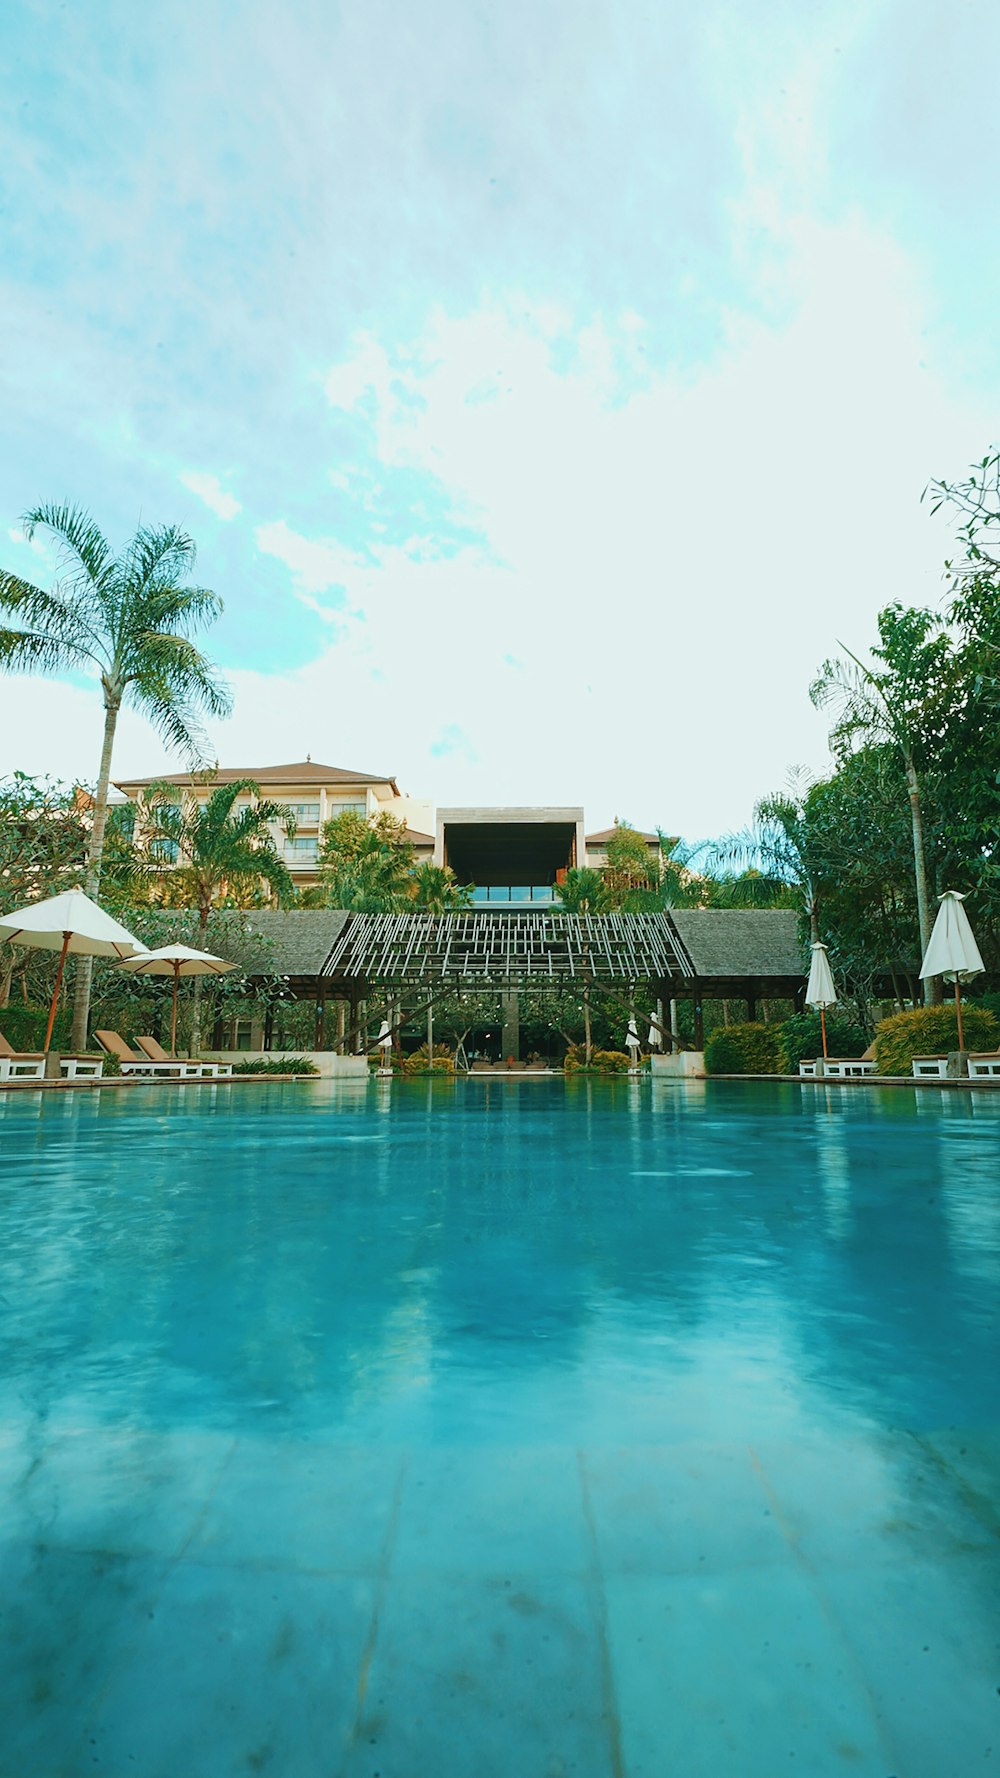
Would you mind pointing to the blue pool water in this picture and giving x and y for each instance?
(500, 1430)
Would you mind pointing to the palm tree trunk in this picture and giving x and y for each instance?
(932, 988)
(587, 1045)
(92, 879)
(196, 996)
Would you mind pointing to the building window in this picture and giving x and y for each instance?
(337, 808)
(306, 814)
(300, 851)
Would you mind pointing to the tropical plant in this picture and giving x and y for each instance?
(435, 889)
(276, 1065)
(932, 1031)
(130, 618)
(365, 865)
(886, 703)
(749, 1048)
(211, 850)
(777, 855)
(802, 1038)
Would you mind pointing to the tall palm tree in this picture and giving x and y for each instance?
(212, 851)
(885, 703)
(131, 618)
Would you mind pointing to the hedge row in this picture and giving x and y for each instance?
(778, 1049)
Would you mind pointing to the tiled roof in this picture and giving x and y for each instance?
(608, 833)
(741, 941)
(306, 771)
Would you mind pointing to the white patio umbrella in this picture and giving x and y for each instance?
(953, 950)
(820, 990)
(654, 1040)
(71, 924)
(384, 1042)
(176, 960)
(632, 1043)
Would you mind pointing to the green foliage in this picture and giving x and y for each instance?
(932, 1031)
(601, 1061)
(442, 1061)
(218, 847)
(582, 892)
(284, 1065)
(24, 1027)
(364, 865)
(802, 1038)
(744, 1049)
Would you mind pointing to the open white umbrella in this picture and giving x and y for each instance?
(820, 990)
(71, 924)
(176, 960)
(953, 950)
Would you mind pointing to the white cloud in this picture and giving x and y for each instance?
(209, 489)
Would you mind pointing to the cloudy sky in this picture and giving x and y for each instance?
(548, 384)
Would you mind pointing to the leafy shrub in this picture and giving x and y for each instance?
(744, 1049)
(442, 1061)
(932, 1031)
(601, 1061)
(24, 1026)
(802, 1038)
(284, 1065)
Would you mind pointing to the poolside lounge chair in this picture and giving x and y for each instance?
(132, 1062)
(930, 1067)
(20, 1064)
(842, 1067)
(984, 1062)
(30, 1065)
(156, 1053)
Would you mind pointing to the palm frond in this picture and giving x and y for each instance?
(29, 651)
(80, 544)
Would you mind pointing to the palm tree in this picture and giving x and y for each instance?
(213, 852)
(776, 854)
(364, 865)
(130, 618)
(435, 889)
(885, 703)
(582, 892)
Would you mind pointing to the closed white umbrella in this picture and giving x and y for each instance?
(632, 1043)
(820, 989)
(176, 960)
(953, 950)
(71, 924)
(654, 1040)
(384, 1042)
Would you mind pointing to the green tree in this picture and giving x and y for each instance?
(364, 865)
(888, 703)
(131, 617)
(213, 852)
(777, 855)
(434, 889)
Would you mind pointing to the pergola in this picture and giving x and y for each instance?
(683, 954)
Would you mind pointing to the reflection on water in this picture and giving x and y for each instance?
(516, 1260)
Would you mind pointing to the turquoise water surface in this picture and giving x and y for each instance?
(500, 1429)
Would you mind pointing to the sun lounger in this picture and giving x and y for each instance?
(132, 1063)
(930, 1067)
(30, 1065)
(984, 1063)
(20, 1064)
(841, 1067)
(210, 1070)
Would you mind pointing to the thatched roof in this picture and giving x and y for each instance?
(741, 941)
(299, 940)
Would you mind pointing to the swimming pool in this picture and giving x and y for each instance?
(513, 1428)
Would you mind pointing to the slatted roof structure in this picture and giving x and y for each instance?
(507, 949)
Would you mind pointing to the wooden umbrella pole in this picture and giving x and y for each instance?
(173, 1016)
(958, 1009)
(822, 1026)
(55, 992)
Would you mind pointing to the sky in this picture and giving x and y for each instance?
(548, 384)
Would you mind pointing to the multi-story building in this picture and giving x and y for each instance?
(314, 794)
(514, 857)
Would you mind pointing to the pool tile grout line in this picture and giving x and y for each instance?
(595, 1580)
(371, 1639)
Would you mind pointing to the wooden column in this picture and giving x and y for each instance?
(751, 1003)
(699, 1017)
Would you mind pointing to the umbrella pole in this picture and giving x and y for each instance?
(55, 992)
(958, 1009)
(173, 1016)
(822, 1026)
